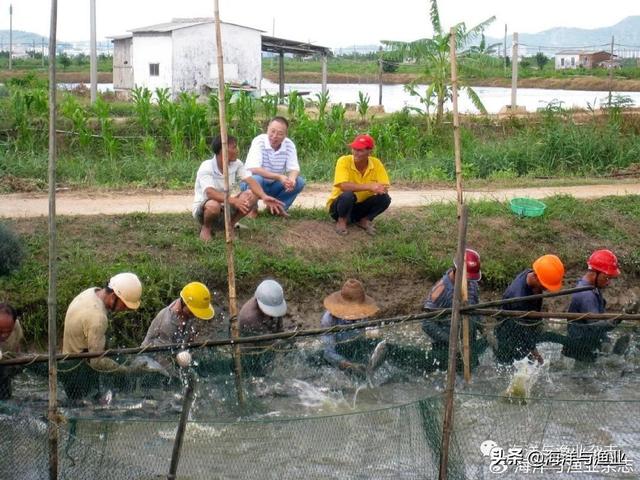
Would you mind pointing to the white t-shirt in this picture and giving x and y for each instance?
(262, 155)
(209, 175)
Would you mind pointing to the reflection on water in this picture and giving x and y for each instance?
(304, 419)
(394, 97)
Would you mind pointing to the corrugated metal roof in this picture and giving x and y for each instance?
(121, 37)
(178, 23)
(579, 52)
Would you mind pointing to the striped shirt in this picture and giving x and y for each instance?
(262, 155)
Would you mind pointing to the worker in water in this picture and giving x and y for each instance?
(518, 338)
(11, 340)
(85, 327)
(184, 320)
(441, 296)
(348, 350)
(587, 336)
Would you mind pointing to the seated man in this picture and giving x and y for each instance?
(85, 327)
(182, 320)
(208, 202)
(360, 188)
(441, 296)
(518, 338)
(263, 312)
(273, 161)
(348, 350)
(587, 336)
(11, 340)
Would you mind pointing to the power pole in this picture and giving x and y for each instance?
(93, 61)
(514, 73)
(10, 35)
(611, 71)
(505, 50)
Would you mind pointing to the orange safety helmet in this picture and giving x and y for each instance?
(550, 272)
(604, 261)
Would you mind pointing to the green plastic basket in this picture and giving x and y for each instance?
(527, 207)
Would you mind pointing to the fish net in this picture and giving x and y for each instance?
(305, 418)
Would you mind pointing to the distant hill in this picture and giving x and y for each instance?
(625, 32)
(21, 38)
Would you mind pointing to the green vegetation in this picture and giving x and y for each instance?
(434, 54)
(67, 63)
(160, 143)
(11, 251)
(412, 248)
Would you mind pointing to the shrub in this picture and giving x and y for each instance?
(11, 252)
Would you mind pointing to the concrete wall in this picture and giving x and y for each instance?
(195, 57)
(122, 64)
(152, 48)
(570, 61)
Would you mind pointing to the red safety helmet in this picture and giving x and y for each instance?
(472, 259)
(604, 261)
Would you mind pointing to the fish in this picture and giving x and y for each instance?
(376, 359)
(622, 345)
(523, 380)
(144, 363)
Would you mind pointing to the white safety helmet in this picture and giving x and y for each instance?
(270, 297)
(128, 288)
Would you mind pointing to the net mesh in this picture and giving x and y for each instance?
(305, 418)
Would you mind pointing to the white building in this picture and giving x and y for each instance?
(182, 55)
(571, 59)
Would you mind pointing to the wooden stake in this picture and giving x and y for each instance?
(466, 350)
(228, 228)
(514, 73)
(53, 270)
(182, 426)
(447, 426)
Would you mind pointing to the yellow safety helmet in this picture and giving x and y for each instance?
(197, 297)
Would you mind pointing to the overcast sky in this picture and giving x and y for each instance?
(333, 23)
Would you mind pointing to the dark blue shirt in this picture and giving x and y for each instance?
(519, 288)
(438, 329)
(590, 301)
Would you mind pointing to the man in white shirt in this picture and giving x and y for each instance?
(208, 202)
(273, 162)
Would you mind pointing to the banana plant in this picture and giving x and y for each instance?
(434, 54)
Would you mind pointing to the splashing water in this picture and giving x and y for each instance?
(523, 380)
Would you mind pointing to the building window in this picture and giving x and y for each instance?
(154, 69)
(573, 61)
(562, 62)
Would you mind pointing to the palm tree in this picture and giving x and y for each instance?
(434, 54)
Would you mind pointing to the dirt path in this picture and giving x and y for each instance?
(21, 205)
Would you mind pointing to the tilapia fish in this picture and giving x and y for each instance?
(147, 364)
(376, 359)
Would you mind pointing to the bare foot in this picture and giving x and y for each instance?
(205, 234)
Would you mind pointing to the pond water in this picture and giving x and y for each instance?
(308, 420)
(394, 97)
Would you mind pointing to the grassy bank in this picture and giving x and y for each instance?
(411, 251)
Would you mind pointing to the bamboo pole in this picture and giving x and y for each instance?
(51, 300)
(514, 73)
(182, 426)
(447, 426)
(466, 350)
(456, 117)
(228, 228)
(458, 163)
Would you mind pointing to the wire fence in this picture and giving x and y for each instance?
(306, 418)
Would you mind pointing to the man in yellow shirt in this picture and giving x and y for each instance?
(360, 188)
